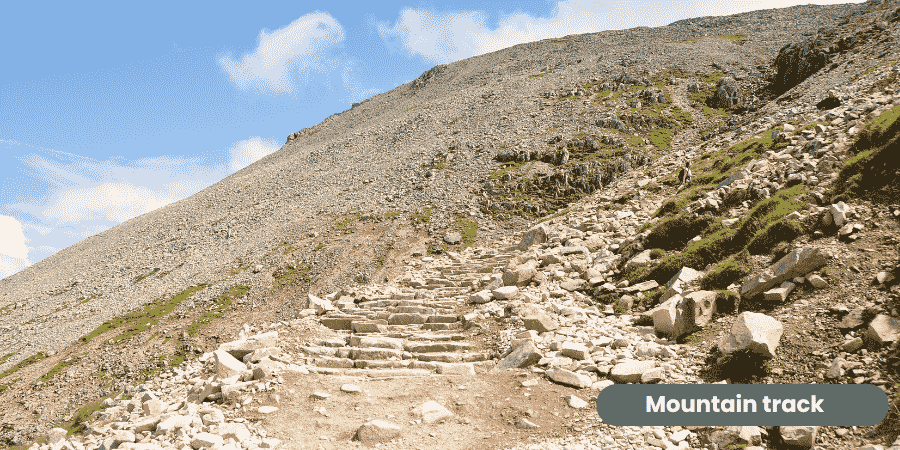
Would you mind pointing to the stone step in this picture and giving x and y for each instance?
(383, 363)
(372, 353)
(376, 342)
(442, 326)
(434, 347)
(418, 336)
(372, 373)
(451, 357)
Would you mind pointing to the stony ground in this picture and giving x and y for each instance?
(377, 272)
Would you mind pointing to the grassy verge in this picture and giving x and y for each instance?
(876, 153)
(291, 275)
(138, 321)
(223, 303)
(59, 367)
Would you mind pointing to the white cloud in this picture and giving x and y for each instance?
(442, 37)
(12, 239)
(9, 265)
(246, 152)
(357, 92)
(299, 48)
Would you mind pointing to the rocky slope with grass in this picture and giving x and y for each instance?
(467, 260)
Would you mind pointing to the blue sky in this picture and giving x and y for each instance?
(109, 110)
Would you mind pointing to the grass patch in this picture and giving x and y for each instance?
(239, 269)
(730, 37)
(712, 77)
(421, 217)
(140, 278)
(661, 137)
(142, 319)
(22, 364)
(291, 275)
(723, 274)
(391, 215)
(6, 357)
(59, 367)
(876, 153)
(718, 243)
(78, 424)
(468, 229)
(320, 246)
(538, 75)
(223, 302)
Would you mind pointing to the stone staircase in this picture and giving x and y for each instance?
(416, 329)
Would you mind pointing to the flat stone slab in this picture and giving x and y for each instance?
(505, 292)
(569, 378)
(540, 322)
(630, 371)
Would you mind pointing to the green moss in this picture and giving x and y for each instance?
(23, 364)
(140, 278)
(468, 229)
(722, 274)
(683, 41)
(712, 77)
(730, 37)
(291, 275)
(142, 319)
(875, 155)
(218, 309)
(423, 217)
(59, 367)
(78, 424)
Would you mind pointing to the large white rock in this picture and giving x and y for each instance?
(377, 430)
(481, 297)
(536, 235)
(505, 292)
(754, 332)
(839, 212)
(664, 317)
(520, 357)
(799, 436)
(227, 366)
(639, 259)
(796, 263)
(569, 378)
(630, 371)
(321, 306)
(206, 440)
(242, 347)
(694, 312)
(883, 330)
(685, 275)
(431, 412)
(575, 350)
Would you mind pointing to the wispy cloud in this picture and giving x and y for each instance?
(12, 238)
(300, 48)
(246, 152)
(447, 36)
(74, 197)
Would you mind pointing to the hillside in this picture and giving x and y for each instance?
(519, 204)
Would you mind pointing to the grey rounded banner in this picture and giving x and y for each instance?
(742, 405)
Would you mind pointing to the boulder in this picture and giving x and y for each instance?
(521, 357)
(453, 238)
(505, 292)
(575, 350)
(754, 332)
(431, 412)
(883, 330)
(228, 366)
(520, 275)
(320, 306)
(536, 235)
(242, 347)
(796, 263)
(799, 436)
(726, 95)
(377, 430)
(664, 317)
(694, 312)
(796, 62)
(206, 440)
(779, 294)
(638, 260)
(839, 213)
(540, 322)
(481, 297)
(569, 378)
(630, 371)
